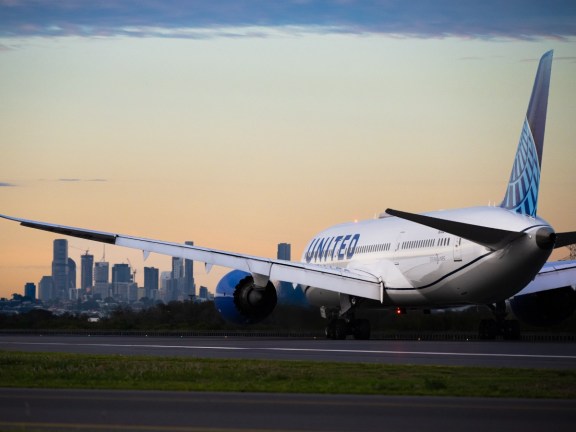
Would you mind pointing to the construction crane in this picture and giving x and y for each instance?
(82, 249)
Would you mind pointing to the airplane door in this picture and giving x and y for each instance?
(397, 248)
(458, 249)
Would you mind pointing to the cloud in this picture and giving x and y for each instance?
(4, 184)
(519, 19)
(74, 180)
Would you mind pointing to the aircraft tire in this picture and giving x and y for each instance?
(337, 330)
(341, 329)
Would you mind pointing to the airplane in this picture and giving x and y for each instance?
(493, 256)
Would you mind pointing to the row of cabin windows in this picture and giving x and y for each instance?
(413, 244)
(444, 241)
(382, 247)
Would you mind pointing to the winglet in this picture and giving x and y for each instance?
(522, 191)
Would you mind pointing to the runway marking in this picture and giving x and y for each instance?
(128, 427)
(318, 350)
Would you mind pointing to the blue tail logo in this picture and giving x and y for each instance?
(522, 192)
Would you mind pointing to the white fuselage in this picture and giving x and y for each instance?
(425, 267)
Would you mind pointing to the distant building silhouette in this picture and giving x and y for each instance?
(121, 273)
(71, 274)
(60, 269)
(165, 285)
(30, 291)
(122, 283)
(176, 285)
(189, 285)
(151, 281)
(46, 288)
(101, 272)
(284, 251)
(86, 272)
(101, 287)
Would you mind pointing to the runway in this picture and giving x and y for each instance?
(459, 353)
(90, 410)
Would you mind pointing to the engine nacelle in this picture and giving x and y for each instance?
(240, 301)
(545, 308)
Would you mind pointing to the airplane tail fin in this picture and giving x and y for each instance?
(522, 192)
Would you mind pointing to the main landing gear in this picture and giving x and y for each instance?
(499, 326)
(343, 322)
(340, 328)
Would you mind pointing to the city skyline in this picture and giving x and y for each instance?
(101, 278)
(243, 128)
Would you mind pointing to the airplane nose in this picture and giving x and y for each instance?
(545, 238)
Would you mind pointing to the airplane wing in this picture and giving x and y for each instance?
(553, 275)
(348, 281)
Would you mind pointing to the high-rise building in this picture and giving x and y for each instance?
(86, 271)
(101, 272)
(284, 251)
(203, 293)
(60, 269)
(121, 273)
(189, 285)
(72, 290)
(46, 288)
(122, 283)
(165, 285)
(177, 268)
(71, 274)
(101, 287)
(30, 291)
(176, 286)
(151, 280)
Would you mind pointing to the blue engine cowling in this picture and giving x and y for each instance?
(545, 308)
(240, 301)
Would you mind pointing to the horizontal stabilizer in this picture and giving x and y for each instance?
(565, 239)
(492, 238)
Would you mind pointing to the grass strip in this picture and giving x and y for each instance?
(60, 370)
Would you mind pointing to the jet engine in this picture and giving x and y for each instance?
(240, 301)
(545, 308)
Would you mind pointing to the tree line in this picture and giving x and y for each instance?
(188, 315)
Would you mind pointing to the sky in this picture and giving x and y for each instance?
(243, 124)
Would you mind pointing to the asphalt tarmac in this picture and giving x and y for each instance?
(97, 410)
(458, 353)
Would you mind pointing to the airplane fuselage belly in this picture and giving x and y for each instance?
(424, 267)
